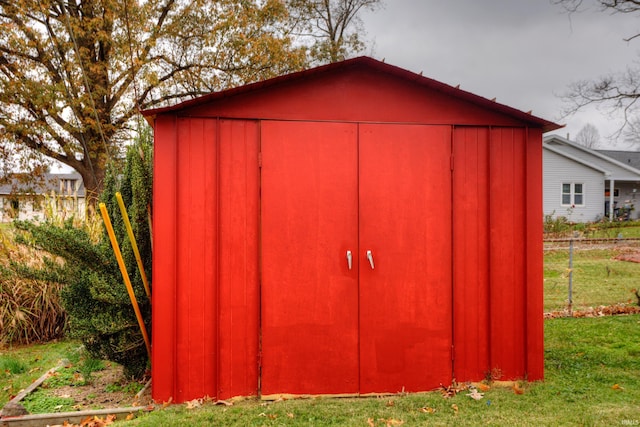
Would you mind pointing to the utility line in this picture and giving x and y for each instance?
(86, 83)
(68, 92)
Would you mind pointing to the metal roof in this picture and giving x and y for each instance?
(365, 62)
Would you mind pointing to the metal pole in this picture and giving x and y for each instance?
(125, 275)
(571, 277)
(134, 245)
(612, 185)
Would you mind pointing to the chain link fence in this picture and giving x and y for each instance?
(591, 276)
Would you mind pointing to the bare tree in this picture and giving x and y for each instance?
(588, 136)
(334, 27)
(616, 92)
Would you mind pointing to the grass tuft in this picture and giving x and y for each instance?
(12, 366)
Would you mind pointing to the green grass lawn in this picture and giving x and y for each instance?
(21, 365)
(592, 371)
(592, 378)
(598, 278)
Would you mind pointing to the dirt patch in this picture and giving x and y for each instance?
(108, 388)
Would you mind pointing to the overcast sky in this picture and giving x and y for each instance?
(525, 53)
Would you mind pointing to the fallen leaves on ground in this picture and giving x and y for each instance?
(603, 310)
(390, 422)
(270, 416)
(617, 387)
(94, 421)
(192, 404)
(475, 394)
(455, 409)
(453, 389)
(427, 410)
(517, 389)
(484, 387)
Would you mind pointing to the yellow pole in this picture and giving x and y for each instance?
(125, 275)
(134, 245)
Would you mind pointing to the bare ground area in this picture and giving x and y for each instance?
(107, 389)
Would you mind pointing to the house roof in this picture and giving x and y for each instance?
(373, 64)
(583, 162)
(19, 184)
(612, 168)
(631, 158)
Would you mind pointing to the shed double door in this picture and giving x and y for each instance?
(355, 258)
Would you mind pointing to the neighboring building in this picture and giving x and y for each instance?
(56, 194)
(586, 185)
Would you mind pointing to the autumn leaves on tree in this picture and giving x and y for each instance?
(75, 73)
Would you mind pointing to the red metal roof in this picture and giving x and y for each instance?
(374, 64)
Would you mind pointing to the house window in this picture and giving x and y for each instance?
(15, 205)
(572, 194)
(68, 186)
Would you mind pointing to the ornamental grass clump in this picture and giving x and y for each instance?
(30, 309)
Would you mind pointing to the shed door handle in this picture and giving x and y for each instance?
(349, 259)
(370, 258)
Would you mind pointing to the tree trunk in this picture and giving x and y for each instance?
(93, 180)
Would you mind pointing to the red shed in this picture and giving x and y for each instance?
(355, 228)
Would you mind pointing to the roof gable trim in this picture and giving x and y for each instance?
(372, 64)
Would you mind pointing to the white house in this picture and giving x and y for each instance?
(586, 185)
(24, 198)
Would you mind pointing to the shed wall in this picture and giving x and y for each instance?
(206, 331)
(205, 296)
(497, 253)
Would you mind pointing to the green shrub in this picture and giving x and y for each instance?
(94, 295)
(556, 224)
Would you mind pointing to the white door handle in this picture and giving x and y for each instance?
(370, 258)
(349, 259)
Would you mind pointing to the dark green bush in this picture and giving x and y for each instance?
(94, 295)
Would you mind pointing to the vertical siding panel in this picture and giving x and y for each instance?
(197, 252)
(534, 256)
(239, 287)
(507, 252)
(183, 263)
(519, 236)
(471, 247)
(163, 361)
(208, 196)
